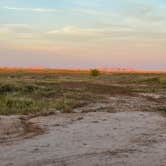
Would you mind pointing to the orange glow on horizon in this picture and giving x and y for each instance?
(51, 70)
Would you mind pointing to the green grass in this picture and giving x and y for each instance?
(12, 105)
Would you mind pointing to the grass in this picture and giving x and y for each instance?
(162, 80)
(27, 92)
(10, 105)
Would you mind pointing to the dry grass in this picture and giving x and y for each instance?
(34, 91)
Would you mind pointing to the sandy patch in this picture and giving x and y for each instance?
(95, 138)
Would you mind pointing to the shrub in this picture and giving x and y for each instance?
(94, 72)
(5, 88)
(29, 88)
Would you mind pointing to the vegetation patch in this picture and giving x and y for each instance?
(10, 106)
(95, 72)
(162, 80)
(25, 92)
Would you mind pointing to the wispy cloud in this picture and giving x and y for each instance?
(139, 20)
(14, 31)
(86, 11)
(110, 33)
(74, 31)
(42, 10)
(16, 28)
(48, 10)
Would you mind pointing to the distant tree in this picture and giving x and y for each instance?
(95, 72)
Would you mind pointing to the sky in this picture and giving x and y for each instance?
(83, 34)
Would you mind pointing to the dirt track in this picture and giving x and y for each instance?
(92, 139)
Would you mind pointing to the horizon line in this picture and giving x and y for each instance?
(104, 70)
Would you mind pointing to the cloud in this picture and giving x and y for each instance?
(74, 31)
(145, 11)
(48, 10)
(136, 20)
(40, 10)
(86, 11)
(13, 31)
(16, 28)
(79, 31)
(110, 33)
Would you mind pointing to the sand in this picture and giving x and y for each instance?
(92, 139)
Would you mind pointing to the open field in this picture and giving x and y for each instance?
(72, 118)
(44, 91)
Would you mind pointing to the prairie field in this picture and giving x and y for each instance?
(40, 92)
(61, 117)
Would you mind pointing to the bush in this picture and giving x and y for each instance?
(29, 88)
(94, 72)
(5, 88)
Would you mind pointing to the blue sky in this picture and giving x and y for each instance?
(100, 33)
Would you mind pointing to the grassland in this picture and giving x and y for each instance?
(47, 91)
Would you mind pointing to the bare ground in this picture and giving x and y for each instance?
(118, 132)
